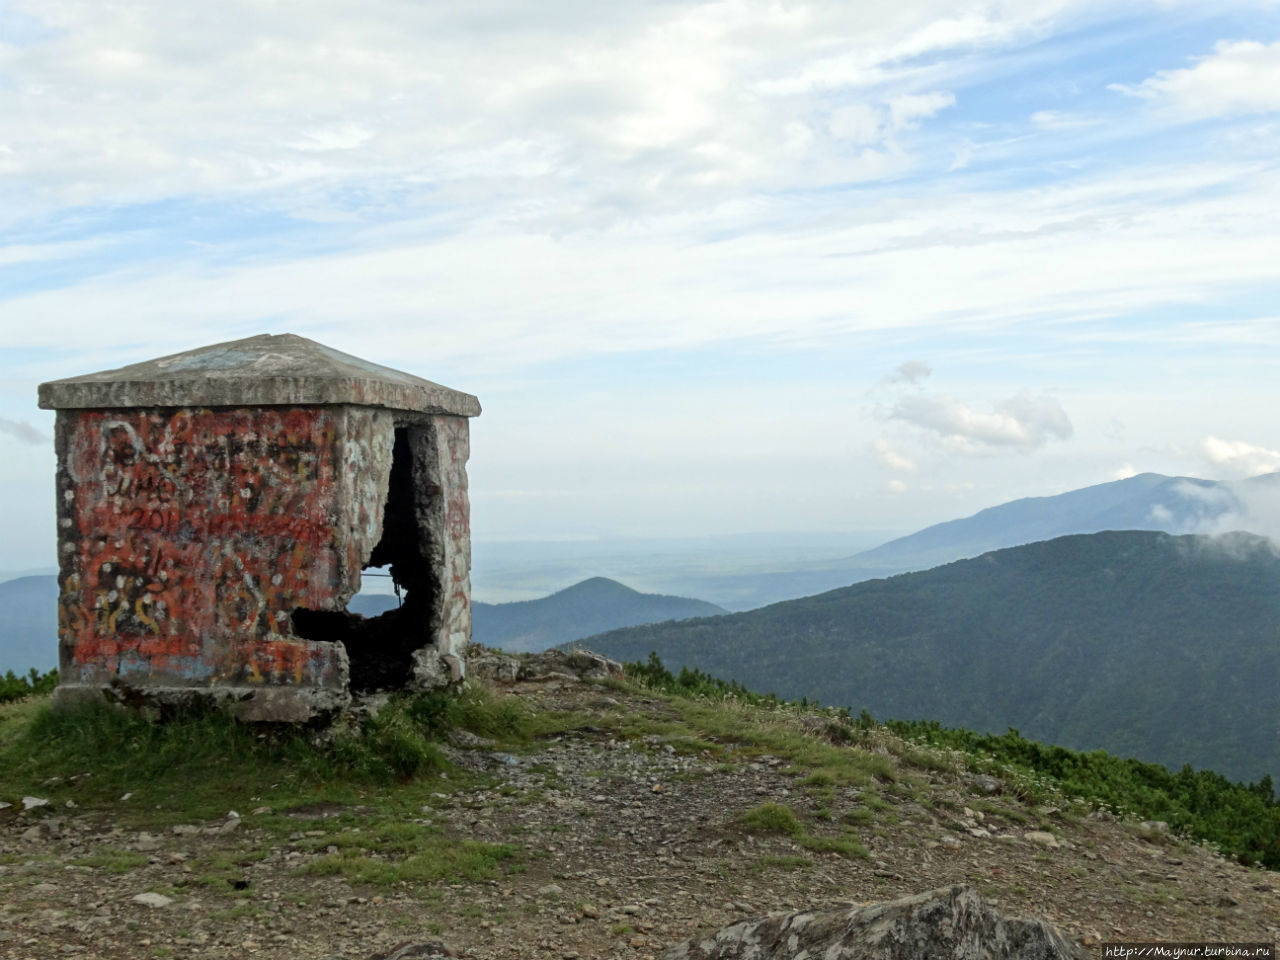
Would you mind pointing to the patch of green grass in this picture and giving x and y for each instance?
(846, 846)
(858, 816)
(925, 758)
(819, 779)
(777, 732)
(780, 820)
(434, 858)
(876, 803)
(198, 764)
(113, 861)
(727, 713)
(243, 911)
(386, 836)
(999, 810)
(769, 818)
(221, 870)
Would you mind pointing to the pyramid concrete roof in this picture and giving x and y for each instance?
(266, 370)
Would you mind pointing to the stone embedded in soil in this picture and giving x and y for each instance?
(154, 900)
(952, 922)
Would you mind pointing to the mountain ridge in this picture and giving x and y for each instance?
(1145, 501)
(583, 608)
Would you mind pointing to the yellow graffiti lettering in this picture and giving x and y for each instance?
(139, 609)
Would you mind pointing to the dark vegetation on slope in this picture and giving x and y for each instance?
(14, 687)
(1144, 644)
(1243, 821)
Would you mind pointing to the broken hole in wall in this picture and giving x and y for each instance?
(380, 648)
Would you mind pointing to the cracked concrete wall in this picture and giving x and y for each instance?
(365, 442)
(442, 447)
(187, 538)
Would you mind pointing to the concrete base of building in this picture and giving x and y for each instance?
(257, 704)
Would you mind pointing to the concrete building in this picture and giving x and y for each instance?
(216, 508)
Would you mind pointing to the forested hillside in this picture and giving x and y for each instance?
(1166, 648)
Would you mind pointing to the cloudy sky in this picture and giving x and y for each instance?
(710, 267)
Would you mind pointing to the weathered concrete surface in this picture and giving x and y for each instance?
(261, 704)
(952, 923)
(211, 551)
(267, 370)
(443, 446)
(187, 538)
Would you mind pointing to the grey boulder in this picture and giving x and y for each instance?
(952, 923)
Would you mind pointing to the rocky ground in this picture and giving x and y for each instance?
(628, 842)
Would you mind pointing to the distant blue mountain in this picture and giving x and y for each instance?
(1148, 501)
(592, 606)
(29, 629)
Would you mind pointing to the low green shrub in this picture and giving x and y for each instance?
(1243, 820)
(13, 687)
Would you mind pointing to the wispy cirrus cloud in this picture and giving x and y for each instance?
(1241, 76)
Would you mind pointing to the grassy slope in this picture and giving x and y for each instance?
(391, 762)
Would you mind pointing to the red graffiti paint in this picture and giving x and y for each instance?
(188, 537)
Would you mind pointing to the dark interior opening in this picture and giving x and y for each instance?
(380, 648)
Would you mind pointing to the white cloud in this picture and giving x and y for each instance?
(1257, 510)
(630, 104)
(1238, 77)
(858, 123)
(22, 430)
(1241, 458)
(1060, 120)
(891, 37)
(906, 111)
(1023, 422)
(342, 136)
(893, 459)
(863, 123)
(896, 486)
(912, 371)
(781, 270)
(1124, 472)
(1251, 504)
